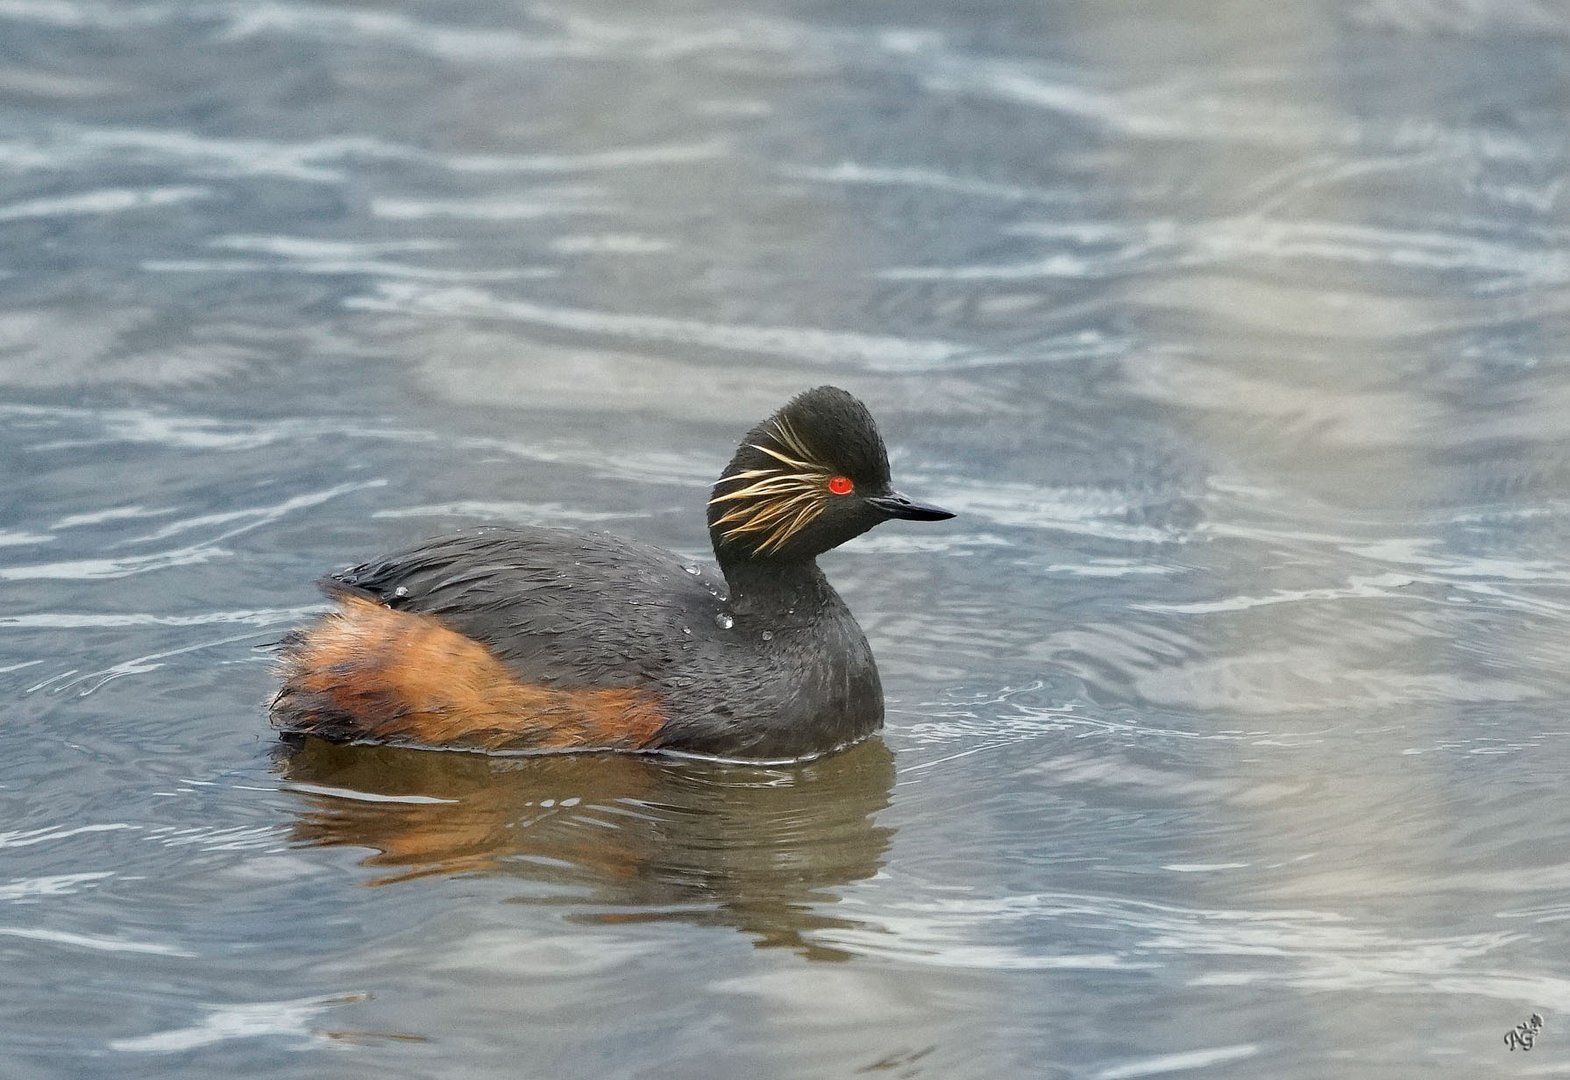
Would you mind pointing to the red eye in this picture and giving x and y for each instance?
(841, 485)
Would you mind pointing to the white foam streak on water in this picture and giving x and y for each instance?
(501, 511)
(362, 27)
(64, 147)
(93, 681)
(103, 569)
(564, 35)
(1466, 18)
(9, 538)
(202, 551)
(347, 268)
(611, 244)
(875, 352)
(95, 620)
(1081, 511)
(312, 248)
(1380, 587)
(1119, 248)
(93, 942)
(115, 513)
(1201, 110)
(526, 207)
(1161, 1064)
(370, 797)
(72, 13)
(230, 838)
(179, 432)
(105, 201)
(851, 173)
(32, 890)
(226, 1023)
(609, 161)
(49, 835)
(1321, 951)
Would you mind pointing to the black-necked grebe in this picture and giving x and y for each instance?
(520, 639)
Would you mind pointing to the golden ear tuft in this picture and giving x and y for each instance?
(777, 501)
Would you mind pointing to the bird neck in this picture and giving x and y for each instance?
(763, 586)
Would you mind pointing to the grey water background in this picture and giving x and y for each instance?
(1227, 725)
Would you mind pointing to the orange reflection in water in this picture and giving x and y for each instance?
(618, 837)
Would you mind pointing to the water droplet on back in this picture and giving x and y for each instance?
(691, 569)
(768, 635)
(724, 620)
(401, 591)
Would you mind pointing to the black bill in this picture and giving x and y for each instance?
(895, 505)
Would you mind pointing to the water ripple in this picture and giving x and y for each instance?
(104, 201)
(31, 890)
(55, 620)
(528, 206)
(94, 942)
(855, 174)
(227, 1023)
(874, 352)
(1116, 249)
(129, 565)
(1160, 1064)
(61, 148)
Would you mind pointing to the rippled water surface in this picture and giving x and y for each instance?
(1227, 724)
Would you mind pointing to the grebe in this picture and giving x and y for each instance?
(541, 639)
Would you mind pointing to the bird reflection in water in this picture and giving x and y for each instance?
(622, 838)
